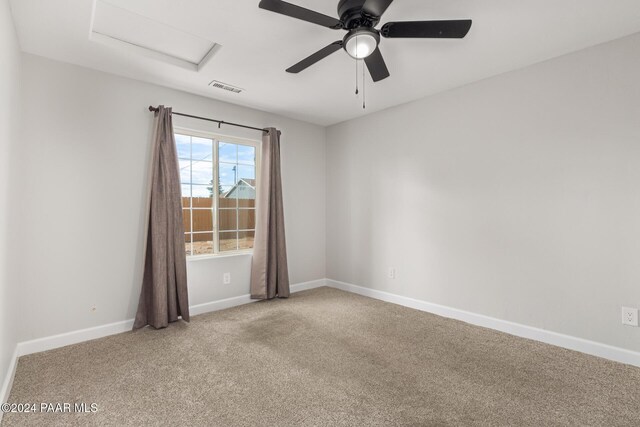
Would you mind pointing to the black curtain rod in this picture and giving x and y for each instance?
(219, 122)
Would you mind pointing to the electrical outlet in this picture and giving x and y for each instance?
(629, 316)
(226, 278)
(392, 273)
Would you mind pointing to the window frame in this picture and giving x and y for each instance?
(217, 138)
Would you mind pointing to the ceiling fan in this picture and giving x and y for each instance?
(359, 18)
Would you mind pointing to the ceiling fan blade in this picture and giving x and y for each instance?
(376, 7)
(427, 29)
(294, 11)
(377, 67)
(310, 60)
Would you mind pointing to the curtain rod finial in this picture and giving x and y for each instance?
(152, 108)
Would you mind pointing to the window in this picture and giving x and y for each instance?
(218, 179)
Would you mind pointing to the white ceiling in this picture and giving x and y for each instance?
(257, 46)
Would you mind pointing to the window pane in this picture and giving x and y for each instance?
(187, 244)
(246, 203)
(245, 239)
(185, 171)
(247, 173)
(223, 191)
(245, 191)
(202, 243)
(227, 219)
(201, 191)
(227, 153)
(202, 202)
(186, 220)
(226, 199)
(201, 149)
(186, 195)
(246, 154)
(202, 220)
(227, 174)
(228, 242)
(202, 173)
(246, 219)
(183, 146)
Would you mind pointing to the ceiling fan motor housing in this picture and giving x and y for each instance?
(352, 16)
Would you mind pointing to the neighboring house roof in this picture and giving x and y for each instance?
(249, 185)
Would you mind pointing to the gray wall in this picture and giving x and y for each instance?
(516, 197)
(9, 111)
(84, 154)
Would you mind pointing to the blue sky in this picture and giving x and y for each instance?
(236, 161)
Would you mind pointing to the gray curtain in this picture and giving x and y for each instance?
(269, 274)
(164, 284)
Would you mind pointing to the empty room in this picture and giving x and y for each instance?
(319, 213)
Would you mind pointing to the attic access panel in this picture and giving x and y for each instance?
(134, 32)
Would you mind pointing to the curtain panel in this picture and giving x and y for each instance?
(164, 294)
(269, 272)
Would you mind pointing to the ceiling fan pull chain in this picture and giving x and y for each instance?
(356, 77)
(364, 88)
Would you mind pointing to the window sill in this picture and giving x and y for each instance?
(218, 256)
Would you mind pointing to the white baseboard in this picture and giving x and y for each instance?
(208, 307)
(593, 348)
(75, 337)
(308, 285)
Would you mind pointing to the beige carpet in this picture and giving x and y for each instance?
(325, 358)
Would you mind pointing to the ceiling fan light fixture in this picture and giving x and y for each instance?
(361, 43)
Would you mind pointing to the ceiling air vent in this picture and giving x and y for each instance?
(224, 86)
